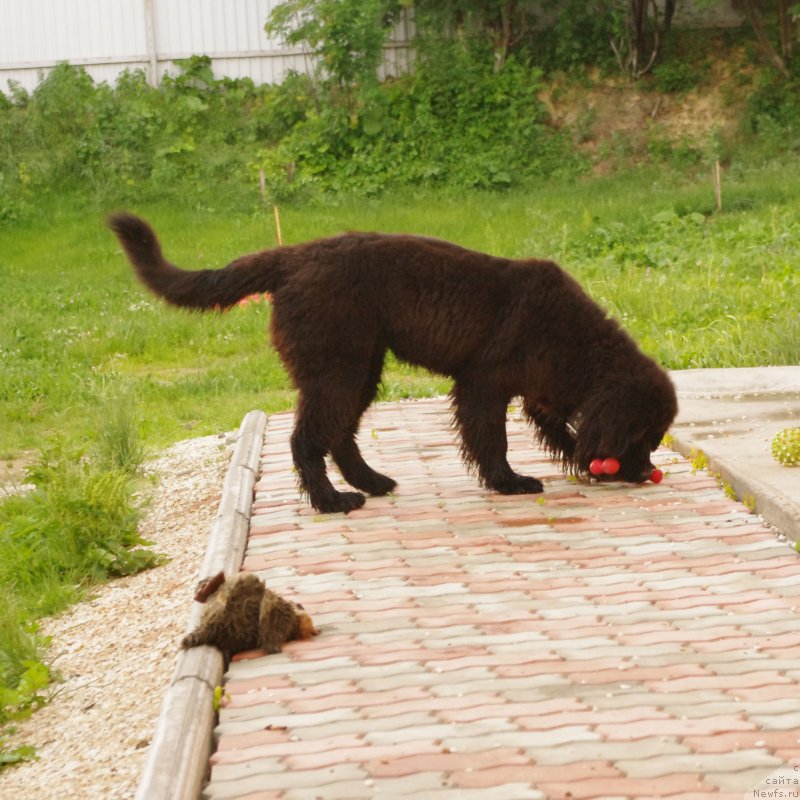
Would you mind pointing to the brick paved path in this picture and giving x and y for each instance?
(598, 641)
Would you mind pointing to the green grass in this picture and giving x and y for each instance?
(696, 288)
(74, 526)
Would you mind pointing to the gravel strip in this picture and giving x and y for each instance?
(116, 652)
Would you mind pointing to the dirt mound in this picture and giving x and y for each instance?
(609, 116)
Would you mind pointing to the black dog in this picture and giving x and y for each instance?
(500, 328)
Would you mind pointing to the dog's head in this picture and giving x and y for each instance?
(626, 420)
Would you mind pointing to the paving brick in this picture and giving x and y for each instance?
(263, 796)
(777, 721)
(274, 665)
(357, 699)
(360, 726)
(576, 752)
(364, 754)
(781, 691)
(426, 784)
(511, 735)
(338, 790)
(506, 791)
(714, 795)
(444, 761)
(258, 776)
(288, 746)
(266, 768)
(744, 740)
(701, 764)
(591, 716)
(533, 774)
(247, 720)
(675, 727)
(743, 664)
(434, 732)
(678, 785)
(505, 709)
(701, 682)
(740, 782)
(266, 736)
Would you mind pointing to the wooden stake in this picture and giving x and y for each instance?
(277, 225)
(718, 186)
(262, 185)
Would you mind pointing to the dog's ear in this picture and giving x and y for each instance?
(626, 415)
(605, 431)
(616, 417)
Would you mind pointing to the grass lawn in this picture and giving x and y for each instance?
(695, 288)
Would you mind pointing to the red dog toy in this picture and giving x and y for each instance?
(607, 466)
(610, 466)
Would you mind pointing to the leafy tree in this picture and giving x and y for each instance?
(787, 14)
(504, 22)
(346, 36)
(640, 26)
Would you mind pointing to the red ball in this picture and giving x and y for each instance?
(596, 467)
(611, 466)
(656, 476)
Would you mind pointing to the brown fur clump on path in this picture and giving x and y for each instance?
(500, 328)
(241, 613)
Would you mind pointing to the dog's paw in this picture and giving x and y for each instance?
(519, 484)
(341, 502)
(380, 485)
(369, 481)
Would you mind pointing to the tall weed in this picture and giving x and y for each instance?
(74, 526)
(119, 446)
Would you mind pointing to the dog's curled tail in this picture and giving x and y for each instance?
(255, 273)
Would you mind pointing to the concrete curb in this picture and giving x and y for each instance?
(732, 415)
(775, 507)
(177, 760)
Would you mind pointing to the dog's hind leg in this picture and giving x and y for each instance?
(346, 453)
(480, 416)
(319, 422)
(356, 471)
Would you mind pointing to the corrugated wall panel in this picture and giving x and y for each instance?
(108, 36)
(67, 30)
(102, 35)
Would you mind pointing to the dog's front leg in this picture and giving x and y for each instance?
(481, 419)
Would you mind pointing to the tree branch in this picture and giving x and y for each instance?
(754, 15)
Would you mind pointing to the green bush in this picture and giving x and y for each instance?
(674, 76)
(455, 121)
(576, 39)
(773, 111)
(132, 142)
(75, 526)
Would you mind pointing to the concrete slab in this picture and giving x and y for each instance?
(731, 416)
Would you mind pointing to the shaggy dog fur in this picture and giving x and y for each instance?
(499, 328)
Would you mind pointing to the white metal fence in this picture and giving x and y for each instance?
(108, 36)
